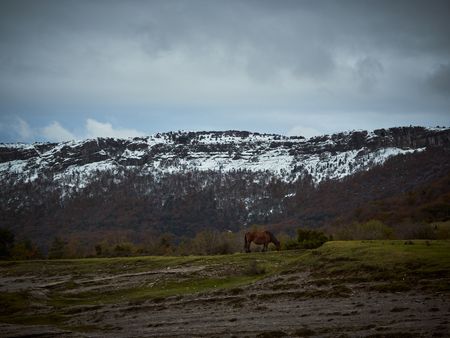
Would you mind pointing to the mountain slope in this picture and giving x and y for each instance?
(181, 183)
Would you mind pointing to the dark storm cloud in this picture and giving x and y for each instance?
(282, 62)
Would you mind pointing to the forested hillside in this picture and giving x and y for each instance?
(129, 203)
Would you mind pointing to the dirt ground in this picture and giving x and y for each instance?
(288, 305)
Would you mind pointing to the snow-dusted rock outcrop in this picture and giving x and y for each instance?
(325, 157)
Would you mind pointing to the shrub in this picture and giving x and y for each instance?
(310, 239)
(210, 242)
(306, 239)
(124, 249)
(291, 244)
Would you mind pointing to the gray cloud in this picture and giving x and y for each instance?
(368, 71)
(439, 80)
(185, 64)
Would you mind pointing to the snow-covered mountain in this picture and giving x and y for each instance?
(324, 157)
(181, 183)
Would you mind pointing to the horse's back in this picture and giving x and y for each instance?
(261, 237)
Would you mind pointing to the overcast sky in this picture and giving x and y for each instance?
(77, 69)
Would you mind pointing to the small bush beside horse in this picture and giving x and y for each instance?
(260, 238)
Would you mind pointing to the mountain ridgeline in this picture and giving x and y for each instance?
(183, 182)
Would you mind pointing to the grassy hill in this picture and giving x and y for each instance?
(58, 293)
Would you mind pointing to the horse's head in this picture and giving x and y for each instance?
(278, 246)
(274, 241)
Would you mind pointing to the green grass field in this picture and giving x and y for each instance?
(47, 291)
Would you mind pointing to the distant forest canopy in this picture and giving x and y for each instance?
(409, 194)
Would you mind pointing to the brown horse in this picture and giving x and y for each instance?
(260, 237)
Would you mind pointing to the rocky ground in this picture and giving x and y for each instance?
(292, 304)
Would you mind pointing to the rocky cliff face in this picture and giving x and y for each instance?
(403, 137)
(324, 157)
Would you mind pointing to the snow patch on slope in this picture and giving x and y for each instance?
(74, 162)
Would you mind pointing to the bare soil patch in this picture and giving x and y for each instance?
(288, 305)
(343, 289)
